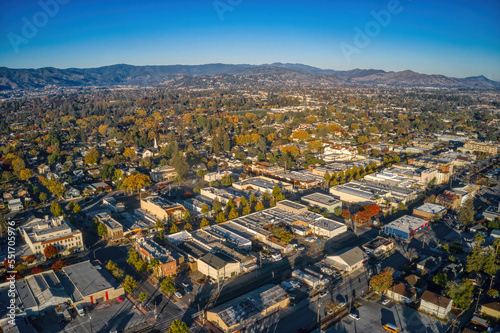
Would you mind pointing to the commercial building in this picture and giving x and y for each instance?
(311, 280)
(218, 266)
(348, 260)
(262, 184)
(88, 283)
(56, 231)
(327, 228)
(449, 199)
(434, 304)
(492, 212)
(323, 201)
(406, 227)
(242, 312)
(482, 147)
(163, 174)
(169, 259)
(114, 205)
(430, 211)
(163, 209)
(15, 205)
(114, 229)
(301, 179)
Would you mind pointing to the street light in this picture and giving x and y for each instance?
(90, 322)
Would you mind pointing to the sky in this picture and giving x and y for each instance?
(452, 37)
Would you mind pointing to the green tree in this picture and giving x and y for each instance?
(246, 210)
(188, 227)
(56, 209)
(493, 293)
(111, 266)
(338, 211)
(167, 286)
(129, 284)
(205, 209)
(101, 230)
(117, 273)
(440, 279)
(158, 224)
(186, 216)
(220, 218)
(216, 206)
(178, 326)
(77, 209)
(259, 206)
(232, 214)
(174, 229)
(204, 223)
(466, 212)
(461, 293)
(143, 296)
(243, 202)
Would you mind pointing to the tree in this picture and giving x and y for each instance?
(331, 306)
(243, 202)
(253, 199)
(129, 284)
(143, 296)
(136, 182)
(129, 153)
(259, 206)
(167, 285)
(186, 216)
(337, 211)
(102, 231)
(31, 258)
(158, 225)
(36, 270)
(205, 209)
(56, 209)
(372, 209)
(246, 210)
(117, 273)
(188, 227)
(440, 279)
(25, 174)
(216, 206)
(461, 293)
(77, 209)
(466, 212)
(346, 214)
(178, 326)
(174, 229)
(204, 223)
(92, 157)
(227, 180)
(220, 218)
(232, 214)
(58, 265)
(382, 281)
(50, 251)
(493, 293)
(111, 266)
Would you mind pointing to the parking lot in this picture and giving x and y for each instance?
(373, 315)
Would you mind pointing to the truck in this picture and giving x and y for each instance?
(79, 310)
(67, 315)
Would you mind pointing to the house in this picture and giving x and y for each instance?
(453, 271)
(378, 246)
(416, 282)
(435, 304)
(147, 153)
(43, 169)
(72, 192)
(402, 293)
(348, 260)
(491, 309)
(429, 265)
(15, 205)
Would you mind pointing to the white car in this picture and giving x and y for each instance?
(354, 316)
(178, 294)
(386, 301)
(323, 293)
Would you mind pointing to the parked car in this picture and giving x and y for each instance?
(354, 316)
(386, 301)
(178, 294)
(323, 293)
(301, 247)
(184, 284)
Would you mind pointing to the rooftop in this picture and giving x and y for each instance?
(248, 305)
(407, 223)
(435, 299)
(89, 278)
(327, 224)
(431, 208)
(324, 199)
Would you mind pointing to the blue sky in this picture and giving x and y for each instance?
(456, 38)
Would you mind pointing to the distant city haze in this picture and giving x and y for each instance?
(454, 38)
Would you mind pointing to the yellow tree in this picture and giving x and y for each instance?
(382, 281)
(129, 153)
(25, 174)
(301, 135)
(92, 156)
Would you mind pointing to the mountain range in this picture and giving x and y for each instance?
(226, 76)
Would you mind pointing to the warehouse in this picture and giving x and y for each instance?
(430, 211)
(323, 201)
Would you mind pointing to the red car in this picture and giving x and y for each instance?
(119, 299)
